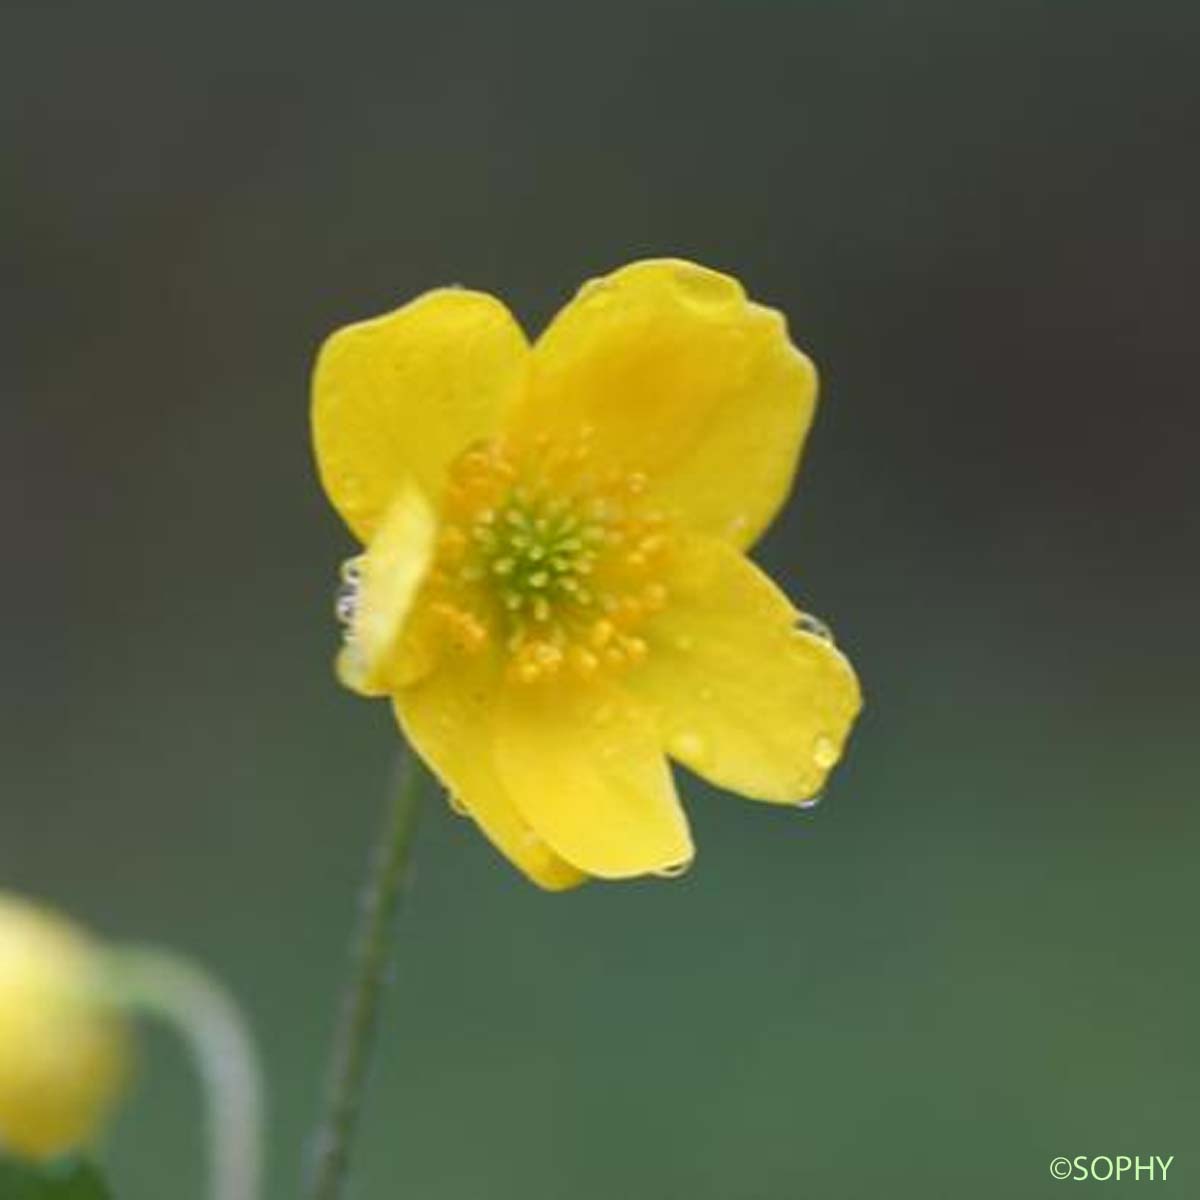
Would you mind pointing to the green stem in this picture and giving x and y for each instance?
(354, 1039)
(175, 990)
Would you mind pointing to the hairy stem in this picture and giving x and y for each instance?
(354, 1038)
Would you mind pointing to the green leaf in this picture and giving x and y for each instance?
(59, 1179)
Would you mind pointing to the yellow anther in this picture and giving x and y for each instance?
(547, 655)
(532, 660)
(475, 462)
(635, 648)
(601, 633)
(465, 628)
(452, 542)
(654, 597)
(475, 633)
(584, 661)
(527, 672)
(629, 611)
(556, 559)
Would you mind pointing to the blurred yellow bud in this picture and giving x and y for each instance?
(63, 1047)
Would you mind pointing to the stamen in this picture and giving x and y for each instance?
(602, 633)
(554, 552)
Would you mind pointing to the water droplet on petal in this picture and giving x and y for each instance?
(824, 752)
(457, 806)
(807, 623)
(346, 596)
(346, 603)
(811, 801)
(674, 872)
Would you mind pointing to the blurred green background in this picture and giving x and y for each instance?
(979, 953)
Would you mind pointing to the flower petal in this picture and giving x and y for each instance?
(401, 395)
(64, 1052)
(376, 658)
(683, 379)
(584, 768)
(742, 696)
(449, 719)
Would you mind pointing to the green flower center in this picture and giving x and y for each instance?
(554, 559)
(537, 554)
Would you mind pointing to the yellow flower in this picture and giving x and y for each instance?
(554, 591)
(62, 1051)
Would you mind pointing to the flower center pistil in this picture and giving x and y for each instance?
(555, 561)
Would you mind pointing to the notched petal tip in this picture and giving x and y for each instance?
(690, 281)
(678, 373)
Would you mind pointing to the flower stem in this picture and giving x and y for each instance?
(165, 985)
(354, 1038)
